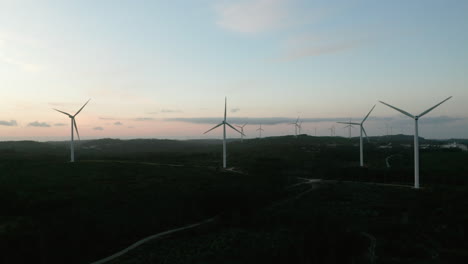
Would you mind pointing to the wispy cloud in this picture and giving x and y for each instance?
(319, 49)
(143, 119)
(60, 124)
(98, 128)
(8, 123)
(118, 123)
(430, 120)
(107, 118)
(252, 16)
(38, 124)
(9, 54)
(170, 111)
(254, 120)
(287, 120)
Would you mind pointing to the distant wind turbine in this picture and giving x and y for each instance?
(416, 137)
(349, 126)
(260, 129)
(242, 131)
(73, 125)
(296, 126)
(361, 125)
(224, 123)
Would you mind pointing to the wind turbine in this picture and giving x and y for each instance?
(73, 125)
(332, 131)
(224, 123)
(296, 126)
(361, 125)
(260, 129)
(350, 125)
(242, 131)
(300, 127)
(416, 137)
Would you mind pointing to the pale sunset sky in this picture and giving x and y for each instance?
(161, 69)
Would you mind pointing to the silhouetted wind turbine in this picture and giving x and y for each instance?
(242, 131)
(416, 137)
(260, 129)
(224, 123)
(296, 126)
(73, 125)
(361, 125)
(350, 125)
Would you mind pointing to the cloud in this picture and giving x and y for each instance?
(436, 120)
(9, 54)
(317, 50)
(60, 124)
(118, 123)
(143, 119)
(170, 111)
(98, 128)
(252, 16)
(255, 120)
(107, 118)
(38, 124)
(8, 123)
(235, 110)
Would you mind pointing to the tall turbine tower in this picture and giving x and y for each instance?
(260, 129)
(242, 131)
(73, 125)
(362, 130)
(224, 123)
(416, 137)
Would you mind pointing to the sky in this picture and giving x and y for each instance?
(161, 69)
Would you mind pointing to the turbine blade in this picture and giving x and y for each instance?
(357, 124)
(430, 109)
(363, 130)
(368, 114)
(244, 125)
(76, 129)
(213, 128)
(62, 112)
(225, 105)
(82, 107)
(344, 122)
(234, 128)
(399, 110)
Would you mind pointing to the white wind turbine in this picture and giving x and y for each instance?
(242, 131)
(224, 123)
(361, 125)
(260, 129)
(73, 125)
(416, 137)
(296, 126)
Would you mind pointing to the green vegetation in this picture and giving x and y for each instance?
(123, 190)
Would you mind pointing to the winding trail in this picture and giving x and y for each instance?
(206, 221)
(155, 236)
